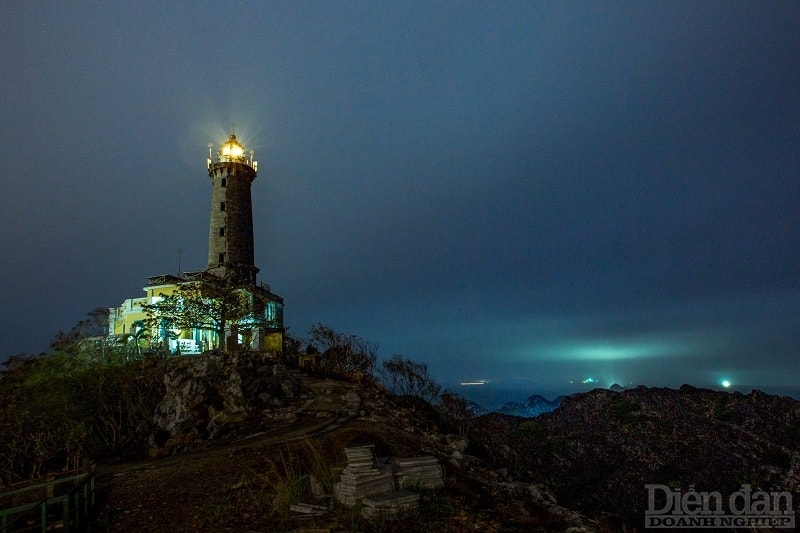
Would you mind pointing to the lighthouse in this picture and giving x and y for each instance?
(230, 229)
(186, 324)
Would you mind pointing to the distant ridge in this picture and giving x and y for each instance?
(505, 401)
(534, 406)
(537, 404)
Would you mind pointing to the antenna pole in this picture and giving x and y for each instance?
(180, 251)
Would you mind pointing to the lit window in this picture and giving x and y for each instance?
(222, 206)
(222, 232)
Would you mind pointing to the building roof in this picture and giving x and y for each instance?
(163, 279)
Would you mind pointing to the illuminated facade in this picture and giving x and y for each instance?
(230, 258)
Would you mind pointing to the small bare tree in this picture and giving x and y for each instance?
(408, 379)
(456, 410)
(343, 354)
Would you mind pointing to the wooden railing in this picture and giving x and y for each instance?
(65, 499)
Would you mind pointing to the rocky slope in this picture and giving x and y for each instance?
(234, 474)
(599, 449)
(235, 439)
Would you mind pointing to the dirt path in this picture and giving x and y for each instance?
(187, 492)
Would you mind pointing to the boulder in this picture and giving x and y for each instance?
(209, 395)
(457, 442)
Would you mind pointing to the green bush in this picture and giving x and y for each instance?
(67, 406)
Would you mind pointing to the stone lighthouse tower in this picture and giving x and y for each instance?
(230, 231)
(234, 312)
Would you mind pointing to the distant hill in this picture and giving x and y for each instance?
(532, 407)
(535, 405)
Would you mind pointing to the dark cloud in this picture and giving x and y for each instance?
(522, 190)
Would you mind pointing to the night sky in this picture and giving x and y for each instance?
(529, 193)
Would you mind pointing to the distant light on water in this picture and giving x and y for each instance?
(471, 383)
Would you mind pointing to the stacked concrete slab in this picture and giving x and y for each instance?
(389, 503)
(422, 471)
(362, 477)
(375, 483)
(309, 509)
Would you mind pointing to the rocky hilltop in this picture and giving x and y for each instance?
(237, 440)
(583, 462)
(599, 449)
(241, 442)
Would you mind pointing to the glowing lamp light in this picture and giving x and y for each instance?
(231, 150)
(726, 383)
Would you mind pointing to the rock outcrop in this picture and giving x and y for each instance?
(210, 395)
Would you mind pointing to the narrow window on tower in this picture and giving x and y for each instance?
(221, 259)
(222, 206)
(222, 231)
(223, 182)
